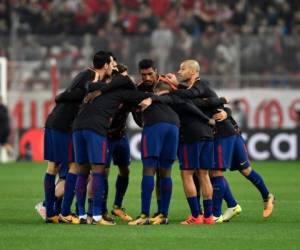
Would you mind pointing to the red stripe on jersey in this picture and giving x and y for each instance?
(70, 151)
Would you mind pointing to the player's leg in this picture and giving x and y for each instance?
(206, 163)
(97, 154)
(198, 188)
(188, 162)
(241, 156)
(121, 158)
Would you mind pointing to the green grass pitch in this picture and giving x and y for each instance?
(21, 228)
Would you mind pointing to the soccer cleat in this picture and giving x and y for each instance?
(52, 220)
(209, 220)
(107, 217)
(160, 220)
(69, 219)
(219, 219)
(141, 220)
(104, 222)
(268, 206)
(120, 212)
(231, 212)
(41, 210)
(192, 220)
(155, 217)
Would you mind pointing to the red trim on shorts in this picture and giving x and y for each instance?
(70, 151)
(247, 155)
(185, 157)
(104, 151)
(220, 157)
(145, 148)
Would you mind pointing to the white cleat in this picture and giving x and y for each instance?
(41, 210)
(232, 212)
(218, 220)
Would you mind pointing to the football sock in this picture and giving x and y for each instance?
(258, 182)
(90, 207)
(98, 186)
(57, 205)
(207, 204)
(49, 189)
(158, 202)
(69, 193)
(147, 189)
(165, 194)
(228, 197)
(121, 187)
(218, 194)
(194, 207)
(81, 193)
(105, 194)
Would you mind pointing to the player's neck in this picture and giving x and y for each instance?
(193, 79)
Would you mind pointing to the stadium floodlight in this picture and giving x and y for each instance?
(3, 79)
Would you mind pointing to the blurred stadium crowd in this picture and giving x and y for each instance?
(238, 43)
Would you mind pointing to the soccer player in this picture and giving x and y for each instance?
(90, 130)
(232, 154)
(149, 75)
(58, 141)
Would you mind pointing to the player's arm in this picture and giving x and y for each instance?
(117, 82)
(210, 102)
(134, 96)
(73, 95)
(189, 106)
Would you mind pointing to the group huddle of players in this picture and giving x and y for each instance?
(181, 117)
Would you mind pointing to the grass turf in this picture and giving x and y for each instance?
(21, 228)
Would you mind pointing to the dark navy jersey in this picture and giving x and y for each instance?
(98, 114)
(68, 102)
(202, 89)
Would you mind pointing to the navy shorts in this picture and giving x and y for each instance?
(90, 147)
(119, 151)
(159, 144)
(58, 146)
(197, 155)
(231, 153)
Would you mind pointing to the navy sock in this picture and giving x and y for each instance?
(193, 203)
(159, 205)
(49, 190)
(228, 197)
(57, 205)
(90, 207)
(218, 194)
(147, 189)
(105, 194)
(81, 193)
(121, 188)
(98, 181)
(207, 204)
(165, 194)
(259, 183)
(69, 194)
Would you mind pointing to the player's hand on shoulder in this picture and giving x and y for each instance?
(220, 116)
(145, 103)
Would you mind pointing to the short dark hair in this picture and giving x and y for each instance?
(112, 55)
(146, 64)
(122, 67)
(100, 58)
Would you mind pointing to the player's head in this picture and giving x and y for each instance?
(164, 84)
(188, 69)
(114, 62)
(103, 61)
(148, 71)
(123, 69)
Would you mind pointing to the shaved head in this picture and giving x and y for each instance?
(189, 70)
(192, 65)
